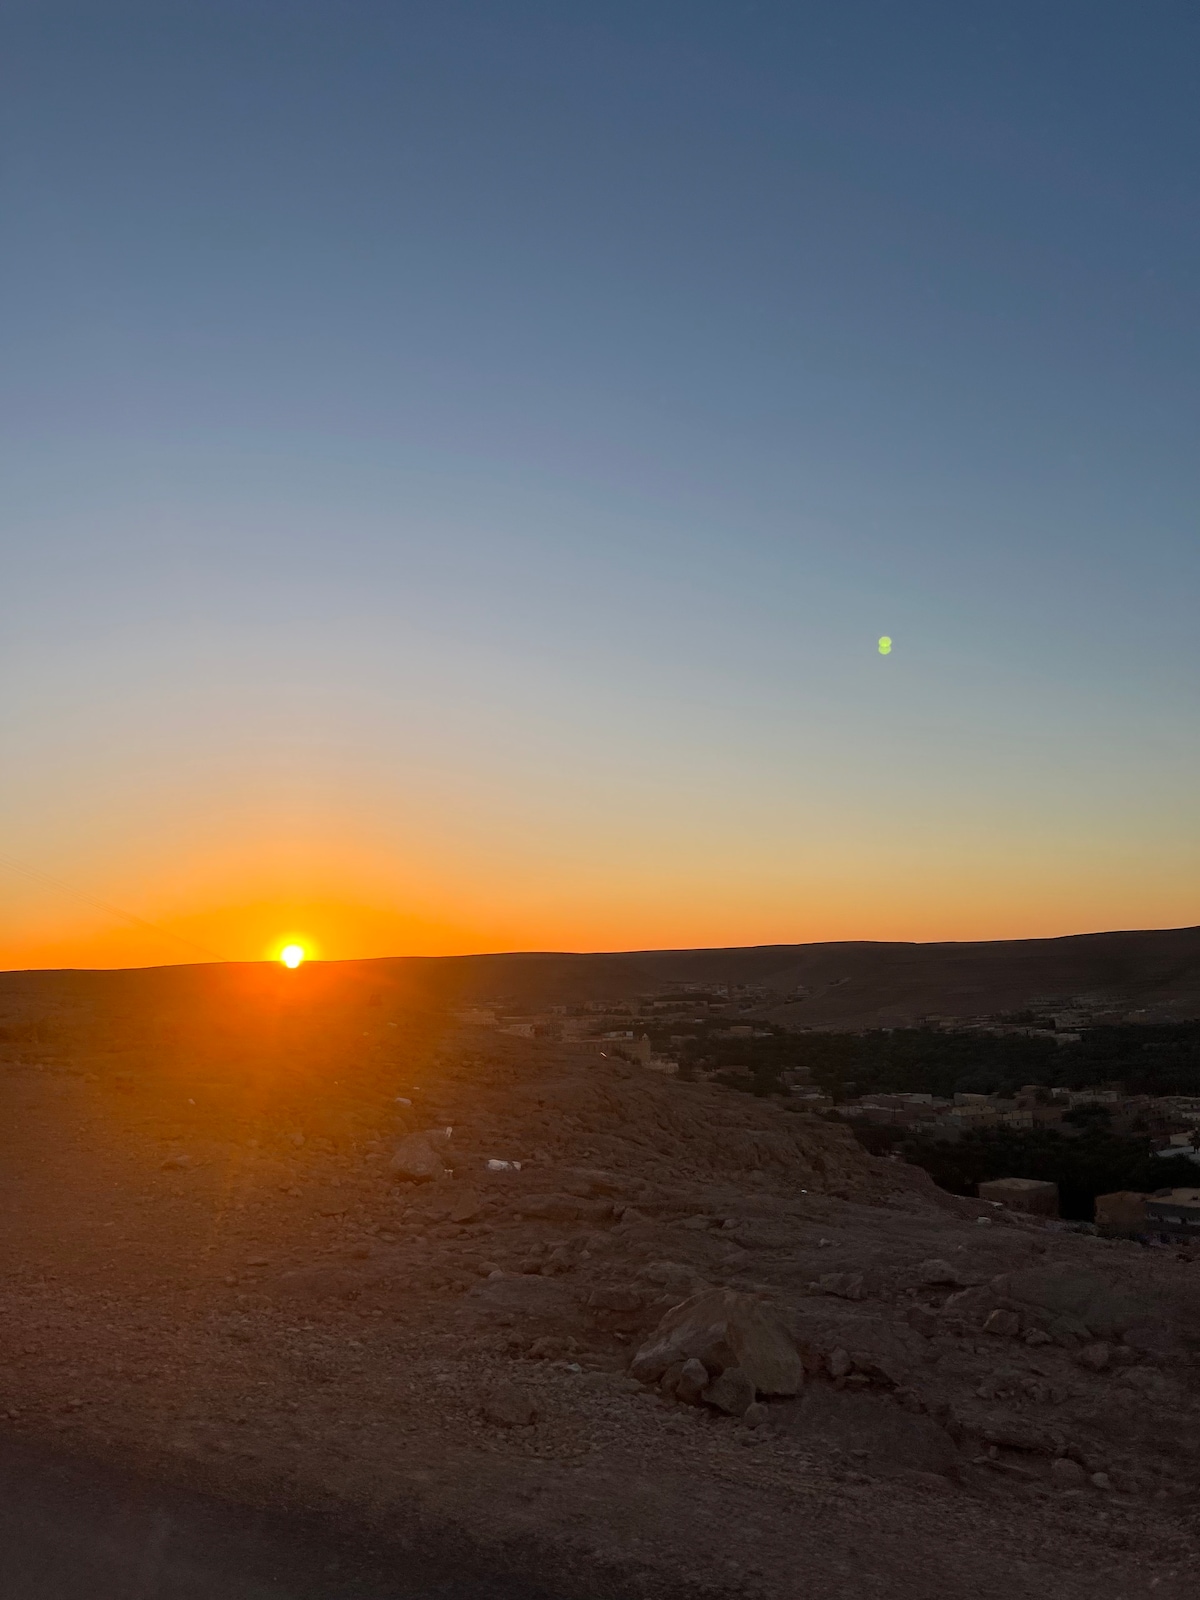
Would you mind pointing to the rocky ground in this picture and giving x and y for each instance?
(230, 1287)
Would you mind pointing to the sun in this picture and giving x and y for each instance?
(292, 955)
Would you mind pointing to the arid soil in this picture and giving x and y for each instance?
(211, 1276)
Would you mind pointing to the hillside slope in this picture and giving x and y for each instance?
(215, 1275)
(849, 985)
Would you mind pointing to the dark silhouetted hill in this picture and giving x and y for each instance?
(840, 985)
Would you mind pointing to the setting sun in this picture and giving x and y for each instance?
(292, 955)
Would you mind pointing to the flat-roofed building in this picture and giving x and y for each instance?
(1122, 1213)
(1174, 1211)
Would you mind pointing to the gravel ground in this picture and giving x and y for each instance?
(211, 1282)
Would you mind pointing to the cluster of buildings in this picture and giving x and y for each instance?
(617, 1027)
(608, 1028)
(1172, 1214)
(1168, 1120)
(1167, 1215)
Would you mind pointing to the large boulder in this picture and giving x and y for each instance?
(724, 1329)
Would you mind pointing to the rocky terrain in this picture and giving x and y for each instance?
(613, 1333)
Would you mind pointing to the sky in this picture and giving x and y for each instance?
(457, 460)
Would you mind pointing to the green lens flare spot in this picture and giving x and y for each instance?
(885, 646)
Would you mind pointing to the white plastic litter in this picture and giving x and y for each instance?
(503, 1166)
(403, 1100)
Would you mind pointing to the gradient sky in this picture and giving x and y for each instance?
(458, 459)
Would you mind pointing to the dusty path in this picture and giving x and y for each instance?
(71, 1530)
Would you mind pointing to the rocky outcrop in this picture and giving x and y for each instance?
(1077, 1301)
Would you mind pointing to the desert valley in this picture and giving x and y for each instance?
(307, 1243)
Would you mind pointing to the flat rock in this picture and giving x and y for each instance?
(1015, 1433)
(937, 1271)
(565, 1208)
(845, 1285)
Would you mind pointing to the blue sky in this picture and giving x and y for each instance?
(458, 459)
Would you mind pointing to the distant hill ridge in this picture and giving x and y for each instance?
(846, 984)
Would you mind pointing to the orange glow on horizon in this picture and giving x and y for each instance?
(349, 899)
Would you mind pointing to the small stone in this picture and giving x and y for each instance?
(756, 1416)
(691, 1382)
(1067, 1474)
(417, 1159)
(1007, 1324)
(1101, 1480)
(466, 1207)
(937, 1271)
(509, 1407)
(732, 1392)
(839, 1363)
(619, 1300)
(548, 1348)
(1037, 1336)
(879, 1369)
(1094, 1356)
(671, 1377)
(925, 1320)
(846, 1285)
